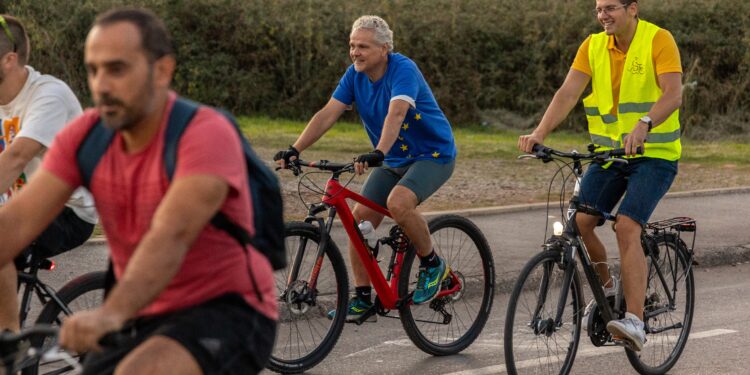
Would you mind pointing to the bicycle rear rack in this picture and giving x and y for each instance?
(677, 225)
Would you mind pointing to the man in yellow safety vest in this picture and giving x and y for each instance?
(636, 90)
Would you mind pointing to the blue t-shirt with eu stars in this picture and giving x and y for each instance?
(425, 133)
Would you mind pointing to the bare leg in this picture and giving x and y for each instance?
(9, 318)
(359, 272)
(633, 264)
(597, 251)
(402, 203)
(159, 355)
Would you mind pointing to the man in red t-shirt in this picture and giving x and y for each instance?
(184, 293)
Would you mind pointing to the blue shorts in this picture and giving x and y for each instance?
(643, 181)
(423, 177)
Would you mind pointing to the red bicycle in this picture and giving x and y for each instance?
(316, 279)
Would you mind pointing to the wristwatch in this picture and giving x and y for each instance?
(647, 120)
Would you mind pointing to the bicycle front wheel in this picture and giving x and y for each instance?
(305, 334)
(535, 343)
(83, 293)
(449, 324)
(669, 306)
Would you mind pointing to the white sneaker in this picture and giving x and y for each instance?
(628, 332)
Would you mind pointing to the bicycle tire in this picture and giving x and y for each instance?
(662, 350)
(525, 335)
(90, 286)
(292, 353)
(472, 260)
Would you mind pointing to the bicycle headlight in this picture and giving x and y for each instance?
(557, 228)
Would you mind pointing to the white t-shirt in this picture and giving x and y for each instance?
(40, 110)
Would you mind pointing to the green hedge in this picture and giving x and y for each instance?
(494, 61)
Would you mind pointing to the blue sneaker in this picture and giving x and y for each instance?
(357, 307)
(429, 281)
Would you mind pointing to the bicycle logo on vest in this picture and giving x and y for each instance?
(636, 67)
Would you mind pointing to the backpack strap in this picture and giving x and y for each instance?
(91, 150)
(182, 113)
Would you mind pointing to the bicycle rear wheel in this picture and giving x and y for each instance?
(305, 335)
(83, 293)
(449, 324)
(534, 344)
(669, 319)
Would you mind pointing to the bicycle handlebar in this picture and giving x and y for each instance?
(545, 153)
(323, 165)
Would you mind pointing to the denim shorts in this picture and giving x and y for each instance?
(643, 182)
(423, 177)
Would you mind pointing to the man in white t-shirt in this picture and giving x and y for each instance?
(33, 108)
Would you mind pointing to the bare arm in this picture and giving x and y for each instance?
(159, 255)
(670, 101)
(320, 123)
(391, 126)
(30, 212)
(14, 159)
(563, 102)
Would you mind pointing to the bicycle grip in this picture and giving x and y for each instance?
(113, 339)
(621, 151)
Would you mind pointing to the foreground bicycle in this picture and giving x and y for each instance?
(316, 279)
(544, 317)
(82, 293)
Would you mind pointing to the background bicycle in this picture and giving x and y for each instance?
(316, 279)
(82, 293)
(545, 311)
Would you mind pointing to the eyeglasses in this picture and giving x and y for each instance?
(608, 9)
(8, 33)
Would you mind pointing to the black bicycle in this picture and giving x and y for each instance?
(82, 293)
(544, 317)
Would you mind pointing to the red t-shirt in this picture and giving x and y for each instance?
(128, 187)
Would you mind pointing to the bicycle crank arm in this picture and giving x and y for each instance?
(662, 329)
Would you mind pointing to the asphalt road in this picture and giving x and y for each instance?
(515, 234)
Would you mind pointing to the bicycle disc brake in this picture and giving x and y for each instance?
(299, 297)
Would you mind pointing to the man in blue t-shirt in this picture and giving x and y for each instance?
(410, 134)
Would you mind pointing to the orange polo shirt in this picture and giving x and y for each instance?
(666, 58)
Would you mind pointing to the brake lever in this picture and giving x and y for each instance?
(615, 160)
(527, 156)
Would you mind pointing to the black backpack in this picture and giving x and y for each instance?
(264, 186)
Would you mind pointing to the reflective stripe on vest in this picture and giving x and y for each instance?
(638, 93)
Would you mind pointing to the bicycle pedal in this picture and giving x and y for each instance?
(627, 344)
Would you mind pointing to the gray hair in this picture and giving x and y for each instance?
(383, 33)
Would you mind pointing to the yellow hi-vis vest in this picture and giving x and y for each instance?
(638, 93)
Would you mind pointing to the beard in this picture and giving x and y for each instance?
(128, 114)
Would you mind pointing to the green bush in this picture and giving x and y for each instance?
(486, 60)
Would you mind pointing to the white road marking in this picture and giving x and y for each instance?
(582, 353)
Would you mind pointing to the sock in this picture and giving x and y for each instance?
(364, 293)
(429, 261)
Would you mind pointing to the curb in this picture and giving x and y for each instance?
(494, 210)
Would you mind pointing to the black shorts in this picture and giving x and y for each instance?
(67, 232)
(224, 335)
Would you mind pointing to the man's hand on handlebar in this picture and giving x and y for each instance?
(373, 158)
(635, 139)
(526, 142)
(283, 157)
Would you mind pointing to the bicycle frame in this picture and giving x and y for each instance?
(336, 199)
(32, 283)
(575, 245)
